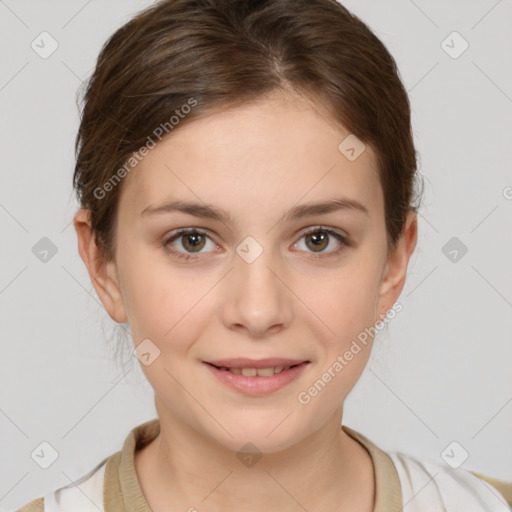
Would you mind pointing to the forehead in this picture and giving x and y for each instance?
(273, 153)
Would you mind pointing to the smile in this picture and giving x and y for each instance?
(257, 381)
(253, 372)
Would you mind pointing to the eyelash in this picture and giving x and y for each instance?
(188, 231)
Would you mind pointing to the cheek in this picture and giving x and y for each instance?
(346, 305)
(151, 308)
(165, 305)
(345, 302)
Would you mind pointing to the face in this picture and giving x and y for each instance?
(260, 282)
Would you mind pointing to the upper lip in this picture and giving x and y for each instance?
(242, 362)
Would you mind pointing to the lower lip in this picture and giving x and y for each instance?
(257, 386)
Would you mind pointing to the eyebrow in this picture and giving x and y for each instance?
(303, 210)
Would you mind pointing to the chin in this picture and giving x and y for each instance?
(267, 437)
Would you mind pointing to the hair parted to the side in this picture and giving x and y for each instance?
(220, 54)
(224, 53)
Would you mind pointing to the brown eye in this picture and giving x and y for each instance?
(318, 239)
(191, 241)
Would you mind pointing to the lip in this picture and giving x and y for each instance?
(243, 362)
(257, 386)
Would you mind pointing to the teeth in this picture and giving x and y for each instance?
(252, 372)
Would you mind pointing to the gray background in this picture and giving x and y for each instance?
(441, 372)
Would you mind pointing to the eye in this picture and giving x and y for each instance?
(319, 237)
(190, 239)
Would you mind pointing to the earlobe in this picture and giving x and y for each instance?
(103, 274)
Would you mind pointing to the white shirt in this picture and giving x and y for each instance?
(426, 486)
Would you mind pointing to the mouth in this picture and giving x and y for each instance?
(253, 372)
(257, 377)
(252, 367)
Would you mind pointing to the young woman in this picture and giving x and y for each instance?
(246, 174)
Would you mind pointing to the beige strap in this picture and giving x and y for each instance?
(504, 487)
(388, 493)
(112, 495)
(36, 505)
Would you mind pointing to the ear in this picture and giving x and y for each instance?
(103, 274)
(393, 277)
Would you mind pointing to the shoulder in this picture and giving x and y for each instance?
(83, 495)
(425, 481)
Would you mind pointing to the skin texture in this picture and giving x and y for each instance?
(256, 162)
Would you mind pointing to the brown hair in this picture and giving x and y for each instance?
(223, 53)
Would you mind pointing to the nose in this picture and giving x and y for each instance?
(256, 298)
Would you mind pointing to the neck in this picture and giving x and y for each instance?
(326, 471)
